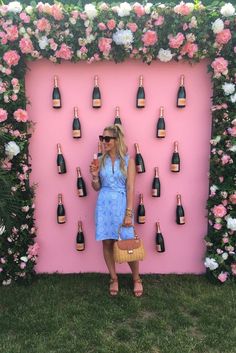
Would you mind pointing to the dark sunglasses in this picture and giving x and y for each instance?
(106, 138)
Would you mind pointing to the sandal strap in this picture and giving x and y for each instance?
(138, 280)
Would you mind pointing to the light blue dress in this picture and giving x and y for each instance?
(111, 202)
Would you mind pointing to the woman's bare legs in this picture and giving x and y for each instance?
(138, 287)
(109, 259)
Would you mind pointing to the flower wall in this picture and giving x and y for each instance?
(146, 32)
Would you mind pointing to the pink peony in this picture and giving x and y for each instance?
(132, 26)
(43, 25)
(177, 41)
(26, 46)
(56, 12)
(219, 211)
(12, 33)
(232, 198)
(217, 226)
(64, 52)
(223, 277)
(104, 45)
(149, 38)
(11, 57)
(233, 268)
(111, 24)
(102, 26)
(21, 115)
(24, 17)
(182, 9)
(220, 66)
(159, 21)
(223, 37)
(190, 49)
(139, 10)
(3, 115)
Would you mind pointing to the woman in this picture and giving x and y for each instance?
(114, 179)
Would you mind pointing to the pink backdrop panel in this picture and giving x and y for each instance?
(118, 83)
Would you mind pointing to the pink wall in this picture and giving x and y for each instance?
(190, 126)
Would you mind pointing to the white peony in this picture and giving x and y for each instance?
(217, 26)
(164, 55)
(227, 10)
(43, 42)
(228, 88)
(14, 6)
(11, 149)
(211, 263)
(147, 8)
(231, 223)
(123, 37)
(225, 256)
(233, 98)
(2, 229)
(90, 11)
(29, 10)
(124, 9)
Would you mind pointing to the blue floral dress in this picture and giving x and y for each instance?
(111, 202)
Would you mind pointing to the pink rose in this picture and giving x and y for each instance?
(139, 10)
(149, 38)
(102, 26)
(232, 198)
(6, 165)
(233, 268)
(11, 57)
(225, 159)
(222, 277)
(132, 26)
(182, 9)
(219, 211)
(111, 24)
(53, 45)
(75, 14)
(104, 45)
(159, 21)
(26, 46)
(21, 115)
(190, 49)
(3, 115)
(22, 265)
(15, 81)
(185, 26)
(217, 226)
(24, 17)
(221, 179)
(177, 41)
(12, 33)
(83, 50)
(57, 12)
(43, 25)
(14, 97)
(64, 52)
(232, 131)
(220, 66)
(223, 37)
(33, 250)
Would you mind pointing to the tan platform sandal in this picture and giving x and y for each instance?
(138, 292)
(113, 289)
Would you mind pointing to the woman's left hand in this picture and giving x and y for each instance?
(127, 221)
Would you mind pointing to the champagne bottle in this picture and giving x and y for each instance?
(117, 117)
(175, 161)
(56, 95)
(76, 127)
(156, 185)
(99, 154)
(140, 167)
(140, 99)
(180, 218)
(161, 129)
(80, 243)
(61, 215)
(141, 211)
(96, 97)
(160, 244)
(61, 164)
(181, 95)
(81, 187)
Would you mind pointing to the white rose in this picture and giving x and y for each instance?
(233, 148)
(90, 11)
(147, 8)
(11, 149)
(225, 256)
(231, 223)
(164, 55)
(6, 282)
(43, 42)
(211, 263)
(233, 98)
(29, 10)
(213, 188)
(14, 6)
(190, 37)
(24, 258)
(72, 20)
(228, 88)
(227, 10)
(90, 38)
(123, 37)
(22, 30)
(124, 9)
(104, 6)
(217, 26)
(2, 229)
(193, 22)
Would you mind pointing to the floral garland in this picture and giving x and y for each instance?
(148, 32)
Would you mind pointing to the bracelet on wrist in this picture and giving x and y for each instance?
(129, 212)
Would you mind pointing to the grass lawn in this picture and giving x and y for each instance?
(75, 314)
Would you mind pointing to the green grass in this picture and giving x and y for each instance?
(74, 313)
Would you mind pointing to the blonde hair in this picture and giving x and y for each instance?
(117, 132)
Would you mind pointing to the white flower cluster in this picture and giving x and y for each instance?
(229, 89)
(11, 149)
(217, 26)
(90, 11)
(124, 9)
(164, 55)
(14, 6)
(211, 263)
(123, 37)
(43, 42)
(227, 10)
(231, 223)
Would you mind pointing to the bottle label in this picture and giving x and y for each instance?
(161, 133)
(76, 133)
(80, 247)
(182, 220)
(141, 102)
(139, 168)
(80, 192)
(97, 103)
(141, 219)
(158, 247)
(182, 102)
(175, 167)
(61, 219)
(56, 102)
(59, 169)
(154, 192)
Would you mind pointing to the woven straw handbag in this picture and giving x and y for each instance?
(128, 250)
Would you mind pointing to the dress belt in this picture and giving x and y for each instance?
(120, 191)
